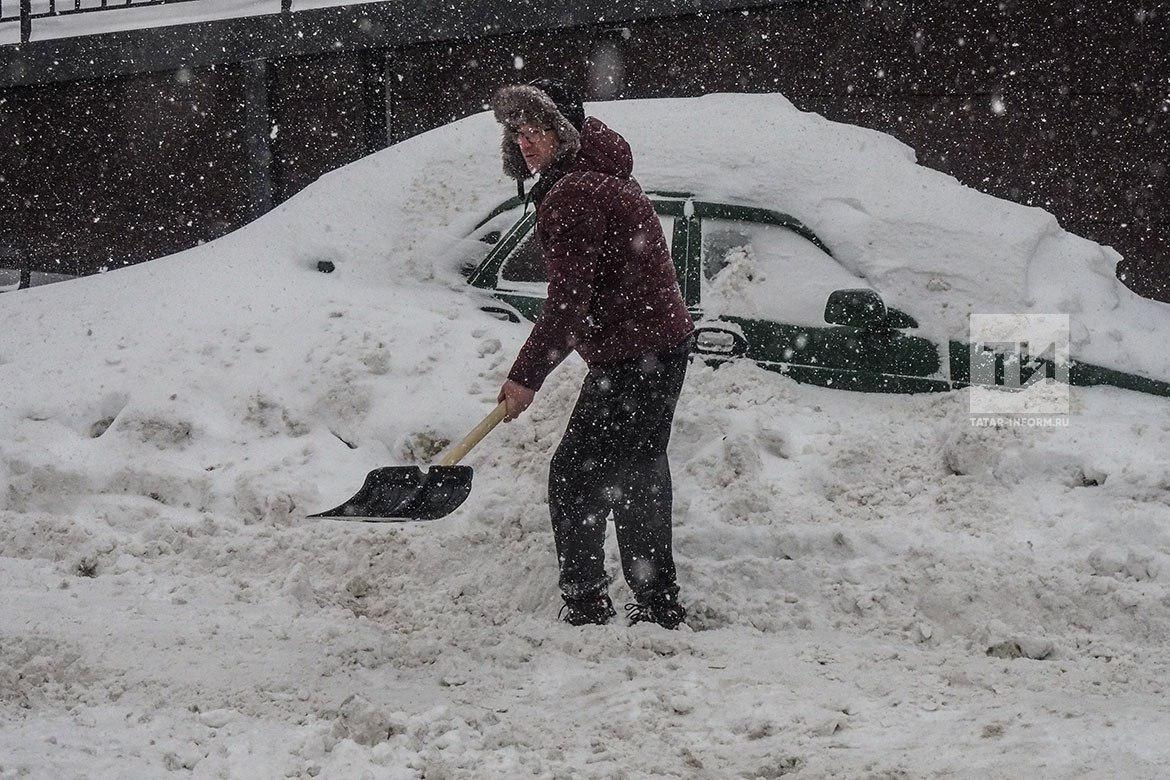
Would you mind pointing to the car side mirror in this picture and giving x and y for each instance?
(863, 309)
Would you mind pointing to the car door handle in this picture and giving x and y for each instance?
(719, 342)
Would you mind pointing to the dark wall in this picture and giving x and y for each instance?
(321, 109)
(1059, 103)
(103, 173)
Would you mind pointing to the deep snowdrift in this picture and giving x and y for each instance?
(876, 586)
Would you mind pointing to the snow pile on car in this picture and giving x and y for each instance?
(876, 586)
(929, 245)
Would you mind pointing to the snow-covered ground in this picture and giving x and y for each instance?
(877, 588)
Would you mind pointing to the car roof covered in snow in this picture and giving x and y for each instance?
(930, 245)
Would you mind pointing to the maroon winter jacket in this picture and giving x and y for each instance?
(612, 289)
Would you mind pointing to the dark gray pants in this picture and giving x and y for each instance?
(613, 458)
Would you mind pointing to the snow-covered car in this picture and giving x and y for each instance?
(763, 286)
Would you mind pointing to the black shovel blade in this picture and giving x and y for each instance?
(401, 493)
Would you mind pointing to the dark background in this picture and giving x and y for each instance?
(1062, 105)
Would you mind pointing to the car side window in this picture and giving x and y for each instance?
(668, 232)
(526, 264)
(761, 271)
(724, 241)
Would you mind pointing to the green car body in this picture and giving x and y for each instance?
(857, 344)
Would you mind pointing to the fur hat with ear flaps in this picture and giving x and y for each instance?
(555, 106)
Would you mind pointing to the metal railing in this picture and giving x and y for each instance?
(48, 9)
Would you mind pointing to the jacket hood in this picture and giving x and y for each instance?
(603, 150)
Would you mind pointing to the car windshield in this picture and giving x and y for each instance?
(472, 250)
(762, 271)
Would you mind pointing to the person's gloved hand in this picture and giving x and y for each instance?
(518, 397)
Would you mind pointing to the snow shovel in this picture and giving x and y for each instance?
(396, 494)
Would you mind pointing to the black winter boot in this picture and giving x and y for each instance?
(596, 609)
(661, 609)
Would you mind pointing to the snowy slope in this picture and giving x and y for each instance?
(876, 586)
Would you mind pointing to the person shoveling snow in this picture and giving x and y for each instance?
(614, 298)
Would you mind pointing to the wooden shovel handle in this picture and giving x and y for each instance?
(485, 426)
